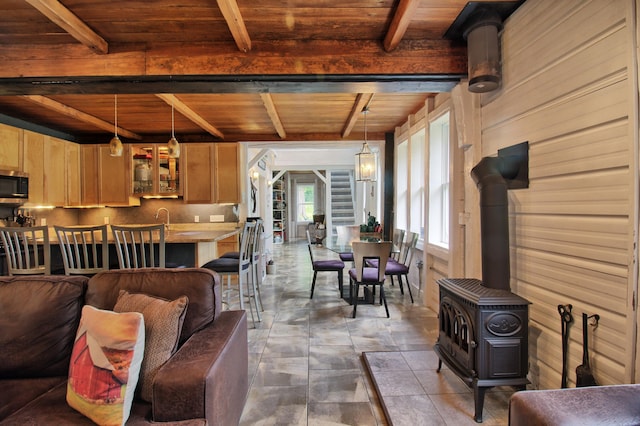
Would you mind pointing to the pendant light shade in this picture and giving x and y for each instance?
(173, 146)
(115, 145)
(366, 160)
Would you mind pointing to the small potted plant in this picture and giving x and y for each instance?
(271, 267)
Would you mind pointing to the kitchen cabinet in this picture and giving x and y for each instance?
(54, 172)
(72, 175)
(198, 172)
(211, 173)
(227, 176)
(33, 145)
(45, 160)
(153, 172)
(105, 179)
(10, 148)
(227, 245)
(89, 175)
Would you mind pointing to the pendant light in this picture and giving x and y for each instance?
(366, 159)
(115, 145)
(173, 145)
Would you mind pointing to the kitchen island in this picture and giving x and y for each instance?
(194, 248)
(185, 245)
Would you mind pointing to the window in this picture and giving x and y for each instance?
(402, 167)
(416, 218)
(305, 196)
(439, 181)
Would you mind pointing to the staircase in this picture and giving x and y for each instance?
(342, 212)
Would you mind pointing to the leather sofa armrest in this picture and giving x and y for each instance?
(208, 376)
(596, 405)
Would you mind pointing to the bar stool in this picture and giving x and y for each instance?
(85, 249)
(135, 246)
(21, 246)
(242, 268)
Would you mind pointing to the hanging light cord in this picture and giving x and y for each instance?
(116, 120)
(365, 111)
(172, 123)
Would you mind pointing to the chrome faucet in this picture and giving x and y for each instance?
(158, 214)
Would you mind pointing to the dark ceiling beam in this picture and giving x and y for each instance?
(355, 137)
(415, 83)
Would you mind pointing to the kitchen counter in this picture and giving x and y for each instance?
(186, 244)
(184, 236)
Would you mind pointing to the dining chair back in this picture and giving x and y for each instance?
(84, 249)
(328, 265)
(257, 253)
(347, 234)
(398, 241)
(136, 246)
(27, 250)
(400, 267)
(369, 276)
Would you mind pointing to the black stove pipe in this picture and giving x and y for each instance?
(489, 176)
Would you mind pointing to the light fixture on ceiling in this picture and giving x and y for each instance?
(173, 145)
(115, 145)
(366, 164)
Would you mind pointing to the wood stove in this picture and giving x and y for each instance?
(482, 336)
(483, 326)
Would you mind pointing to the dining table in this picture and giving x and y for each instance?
(339, 245)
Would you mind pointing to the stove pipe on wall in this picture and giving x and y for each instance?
(493, 177)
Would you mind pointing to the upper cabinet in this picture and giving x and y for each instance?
(72, 172)
(153, 172)
(211, 173)
(10, 148)
(198, 167)
(105, 179)
(227, 176)
(44, 161)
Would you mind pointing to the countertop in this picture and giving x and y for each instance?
(200, 236)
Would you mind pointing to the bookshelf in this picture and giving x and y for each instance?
(279, 212)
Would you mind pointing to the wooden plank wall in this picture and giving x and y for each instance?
(569, 88)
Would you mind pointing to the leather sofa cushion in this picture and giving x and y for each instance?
(201, 286)
(40, 316)
(50, 408)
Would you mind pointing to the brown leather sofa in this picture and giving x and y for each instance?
(204, 382)
(597, 405)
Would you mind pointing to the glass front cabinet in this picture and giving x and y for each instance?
(153, 172)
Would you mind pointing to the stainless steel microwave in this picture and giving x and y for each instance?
(14, 187)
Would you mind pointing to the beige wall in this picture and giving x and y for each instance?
(570, 89)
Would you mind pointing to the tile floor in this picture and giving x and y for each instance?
(305, 357)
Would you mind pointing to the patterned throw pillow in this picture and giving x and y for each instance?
(163, 323)
(105, 363)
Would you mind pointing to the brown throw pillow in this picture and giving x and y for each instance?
(163, 324)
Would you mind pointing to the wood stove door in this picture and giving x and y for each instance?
(456, 337)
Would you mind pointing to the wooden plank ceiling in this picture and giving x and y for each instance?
(258, 70)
